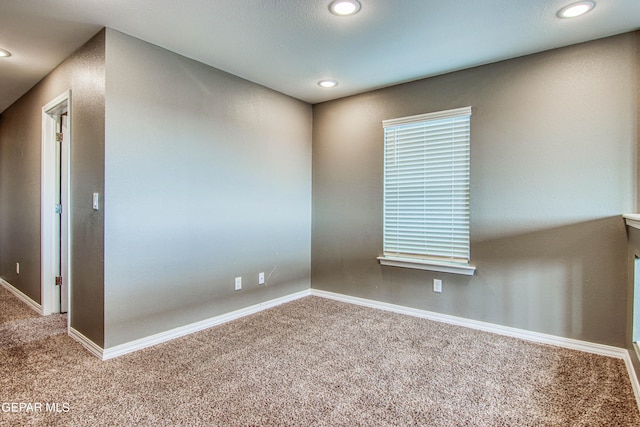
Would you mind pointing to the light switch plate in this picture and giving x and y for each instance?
(96, 201)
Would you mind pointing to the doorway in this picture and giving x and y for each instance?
(55, 206)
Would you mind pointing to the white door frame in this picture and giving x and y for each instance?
(50, 293)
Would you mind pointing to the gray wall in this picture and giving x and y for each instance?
(205, 177)
(553, 142)
(20, 157)
(208, 177)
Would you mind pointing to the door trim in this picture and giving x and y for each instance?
(50, 300)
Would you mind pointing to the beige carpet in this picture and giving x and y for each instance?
(11, 308)
(317, 362)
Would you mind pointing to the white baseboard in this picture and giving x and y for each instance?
(589, 347)
(171, 334)
(574, 344)
(633, 377)
(604, 350)
(91, 347)
(22, 297)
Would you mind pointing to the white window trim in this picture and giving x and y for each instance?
(427, 116)
(462, 268)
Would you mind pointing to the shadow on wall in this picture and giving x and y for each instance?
(568, 281)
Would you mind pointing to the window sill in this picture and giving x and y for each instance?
(443, 267)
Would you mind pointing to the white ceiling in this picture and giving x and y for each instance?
(288, 45)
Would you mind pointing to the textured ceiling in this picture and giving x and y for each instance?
(288, 45)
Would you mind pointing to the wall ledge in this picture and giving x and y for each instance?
(632, 220)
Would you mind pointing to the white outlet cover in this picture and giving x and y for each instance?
(437, 285)
(238, 283)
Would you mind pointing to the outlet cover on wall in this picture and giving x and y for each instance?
(437, 285)
(238, 283)
(260, 278)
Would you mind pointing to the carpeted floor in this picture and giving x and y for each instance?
(316, 362)
(12, 308)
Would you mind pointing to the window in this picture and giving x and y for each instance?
(426, 191)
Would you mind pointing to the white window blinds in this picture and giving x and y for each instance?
(426, 186)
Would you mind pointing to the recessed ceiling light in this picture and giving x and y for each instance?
(4, 53)
(327, 83)
(344, 7)
(576, 9)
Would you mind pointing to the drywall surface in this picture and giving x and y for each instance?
(20, 145)
(208, 178)
(553, 140)
(20, 163)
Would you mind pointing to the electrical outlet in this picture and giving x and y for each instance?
(437, 285)
(260, 278)
(238, 283)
